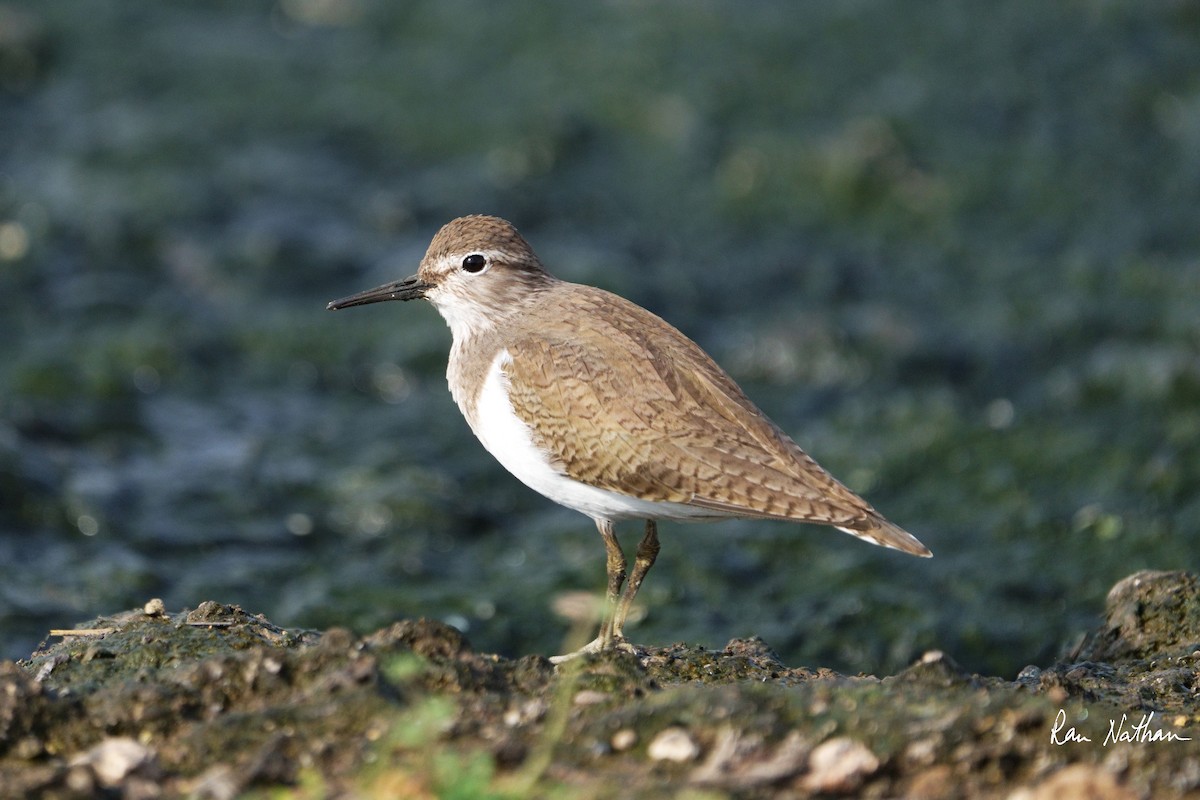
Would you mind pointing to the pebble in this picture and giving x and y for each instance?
(623, 739)
(1077, 782)
(530, 711)
(1030, 676)
(839, 766)
(673, 744)
(114, 758)
(935, 783)
(590, 697)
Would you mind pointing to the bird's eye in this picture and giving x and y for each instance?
(474, 263)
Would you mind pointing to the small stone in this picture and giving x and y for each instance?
(114, 758)
(589, 697)
(623, 739)
(839, 766)
(740, 762)
(935, 783)
(673, 744)
(529, 711)
(753, 648)
(1078, 782)
(154, 608)
(29, 747)
(922, 752)
(1030, 677)
(80, 780)
(934, 669)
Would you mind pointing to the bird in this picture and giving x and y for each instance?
(605, 408)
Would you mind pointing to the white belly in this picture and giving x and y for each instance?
(510, 441)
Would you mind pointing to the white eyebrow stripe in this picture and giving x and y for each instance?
(453, 261)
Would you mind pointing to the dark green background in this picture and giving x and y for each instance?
(952, 247)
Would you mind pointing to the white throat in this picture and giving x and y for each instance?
(464, 320)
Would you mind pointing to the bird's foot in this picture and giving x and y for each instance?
(598, 645)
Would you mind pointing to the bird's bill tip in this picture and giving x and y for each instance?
(408, 289)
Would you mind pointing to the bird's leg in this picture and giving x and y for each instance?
(647, 551)
(615, 566)
(616, 605)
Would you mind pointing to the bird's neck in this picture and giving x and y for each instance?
(481, 329)
(471, 356)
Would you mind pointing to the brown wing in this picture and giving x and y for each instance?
(645, 412)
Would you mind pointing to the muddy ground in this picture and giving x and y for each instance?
(216, 702)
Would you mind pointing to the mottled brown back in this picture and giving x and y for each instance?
(625, 402)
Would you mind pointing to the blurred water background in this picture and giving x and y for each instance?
(952, 247)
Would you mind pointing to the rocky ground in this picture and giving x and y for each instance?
(216, 702)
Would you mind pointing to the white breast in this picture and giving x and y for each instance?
(510, 441)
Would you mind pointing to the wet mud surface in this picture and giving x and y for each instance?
(216, 702)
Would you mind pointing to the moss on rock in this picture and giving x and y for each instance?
(218, 702)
